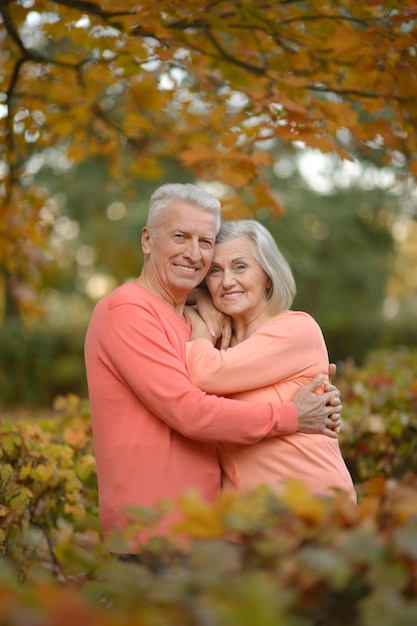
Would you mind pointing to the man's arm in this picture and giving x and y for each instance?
(129, 346)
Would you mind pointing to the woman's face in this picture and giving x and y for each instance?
(236, 281)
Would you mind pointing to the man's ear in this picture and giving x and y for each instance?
(146, 236)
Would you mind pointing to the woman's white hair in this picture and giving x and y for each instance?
(281, 293)
(163, 197)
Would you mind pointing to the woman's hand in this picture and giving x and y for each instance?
(219, 325)
(199, 328)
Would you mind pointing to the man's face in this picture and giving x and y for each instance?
(179, 250)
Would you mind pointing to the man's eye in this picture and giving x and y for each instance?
(206, 243)
(179, 236)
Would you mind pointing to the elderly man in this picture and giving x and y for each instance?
(154, 432)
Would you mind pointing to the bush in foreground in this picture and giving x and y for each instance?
(256, 559)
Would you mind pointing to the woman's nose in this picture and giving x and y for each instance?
(227, 278)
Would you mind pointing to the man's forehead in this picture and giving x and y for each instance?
(189, 218)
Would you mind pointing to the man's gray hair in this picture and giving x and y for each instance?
(167, 194)
(265, 250)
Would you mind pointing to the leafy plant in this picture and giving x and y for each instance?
(47, 484)
(380, 409)
(247, 559)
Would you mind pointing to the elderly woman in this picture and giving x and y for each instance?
(273, 351)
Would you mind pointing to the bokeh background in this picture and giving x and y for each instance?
(101, 104)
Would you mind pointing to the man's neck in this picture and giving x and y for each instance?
(176, 304)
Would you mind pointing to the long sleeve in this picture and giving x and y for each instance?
(141, 345)
(288, 346)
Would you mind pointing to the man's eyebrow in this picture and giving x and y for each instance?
(177, 229)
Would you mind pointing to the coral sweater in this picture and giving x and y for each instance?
(154, 432)
(279, 357)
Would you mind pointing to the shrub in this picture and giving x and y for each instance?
(290, 560)
(379, 435)
(37, 363)
(47, 482)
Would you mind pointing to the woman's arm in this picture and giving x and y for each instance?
(218, 325)
(290, 345)
(199, 329)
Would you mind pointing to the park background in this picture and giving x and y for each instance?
(300, 114)
(274, 110)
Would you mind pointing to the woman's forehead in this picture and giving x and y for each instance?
(241, 247)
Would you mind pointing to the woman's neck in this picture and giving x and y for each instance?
(243, 328)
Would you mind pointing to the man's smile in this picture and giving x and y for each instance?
(186, 268)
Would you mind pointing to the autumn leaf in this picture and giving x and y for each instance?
(135, 84)
(201, 519)
(303, 503)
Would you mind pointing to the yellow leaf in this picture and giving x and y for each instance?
(75, 438)
(25, 471)
(202, 520)
(265, 198)
(302, 502)
(76, 510)
(146, 167)
(42, 473)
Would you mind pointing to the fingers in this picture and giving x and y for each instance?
(332, 397)
(332, 370)
(333, 422)
(226, 333)
(335, 400)
(315, 383)
(330, 387)
(330, 433)
(331, 427)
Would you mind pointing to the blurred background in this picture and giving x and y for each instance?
(348, 233)
(269, 107)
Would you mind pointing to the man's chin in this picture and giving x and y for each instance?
(187, 283)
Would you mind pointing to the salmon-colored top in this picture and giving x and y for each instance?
(279, 357)
(154, 432)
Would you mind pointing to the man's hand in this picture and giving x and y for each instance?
(318, 413)
(331, 387)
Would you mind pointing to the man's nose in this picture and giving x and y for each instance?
(193, 251)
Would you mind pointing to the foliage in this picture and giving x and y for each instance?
(38, 363)
(47, 483)
(209, 82)
(293, 560)
(380, 400)
(254, 559)
(328, 240)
